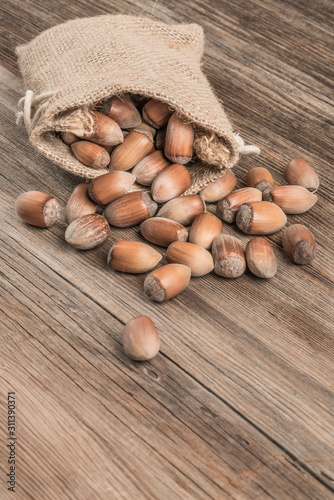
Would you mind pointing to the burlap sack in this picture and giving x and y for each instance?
(69, 67)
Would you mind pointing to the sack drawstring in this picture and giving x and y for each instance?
(27, 104)
(245, 150)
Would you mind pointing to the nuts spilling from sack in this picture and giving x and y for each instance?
(125, 132)
(156, 144)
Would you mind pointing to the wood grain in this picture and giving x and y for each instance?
(239, 403)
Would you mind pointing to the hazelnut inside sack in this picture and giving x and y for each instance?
(71, 67)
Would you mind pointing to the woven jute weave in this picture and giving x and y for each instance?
(70, 67)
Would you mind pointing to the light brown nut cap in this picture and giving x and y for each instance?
(291, 199)
(299, 243)
(146, 129)
(300, 172)
(183, 209)
(79, 204)
(106, 131)
(260, 258)
(197, 258)
(69, 138)
(156, 113)
(131, 209)
(260, 217)
(141, 340)
(220, 188)
(87, 232)
(38, 209)
(170, 183)
(260, 178)
(132, 257)
(123, 112)
(149, 167)
(110, 186)
(163, 232)
(91, 154)
(204, 229)
(134, 148)
(167, 282)
(228, 206)
(228, 256)
(179, 140)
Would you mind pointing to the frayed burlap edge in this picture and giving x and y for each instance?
(216, 152)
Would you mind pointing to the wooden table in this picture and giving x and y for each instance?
(239, 403)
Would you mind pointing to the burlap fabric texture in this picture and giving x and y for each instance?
(68, 68)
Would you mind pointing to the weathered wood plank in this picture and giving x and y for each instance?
(239, 403)
(190, 424)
